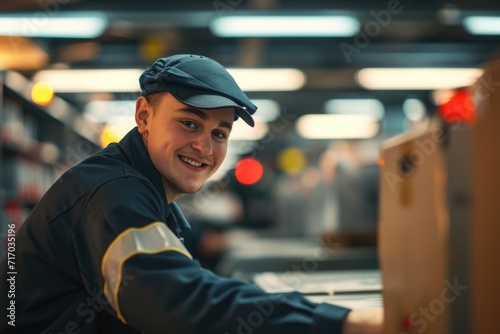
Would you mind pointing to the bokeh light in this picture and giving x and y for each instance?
(291, 160)
(460, 108)
(248, 171)
(42, 93)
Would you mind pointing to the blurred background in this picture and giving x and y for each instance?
(332, 80)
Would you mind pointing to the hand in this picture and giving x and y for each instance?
(369, 321)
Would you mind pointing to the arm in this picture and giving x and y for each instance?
(368, 321)
(151, 283)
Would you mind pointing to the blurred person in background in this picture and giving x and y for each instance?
(348, 194)
(102, 253)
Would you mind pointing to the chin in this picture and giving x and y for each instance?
(178, 187)
(190, 189)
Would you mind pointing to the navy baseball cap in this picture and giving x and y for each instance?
(197, 81)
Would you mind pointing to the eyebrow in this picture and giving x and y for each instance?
(201, 114)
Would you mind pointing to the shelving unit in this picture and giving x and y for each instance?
(37, 144)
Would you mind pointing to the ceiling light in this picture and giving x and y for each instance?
(106, 111)
(267, 110)
(114, 131)
(414, 109)
(441, 96)
(482, 25)
(42, 94)
(241, 131)
(127, 80)
(417, 78)
(285, 26)
(320, 126)
(91, 81)
(22, 54)
(58, 108)
(274, 79)
(67, 25)
(371, 107)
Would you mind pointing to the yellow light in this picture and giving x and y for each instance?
(291, 160)
(113, 133)
(153, 47)
(42, 93)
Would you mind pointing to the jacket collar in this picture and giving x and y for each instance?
(135, 150)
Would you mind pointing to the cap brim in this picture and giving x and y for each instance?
(210, 101)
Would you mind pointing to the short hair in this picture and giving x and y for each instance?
(154, 98)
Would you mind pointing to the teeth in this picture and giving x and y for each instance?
(191, 162)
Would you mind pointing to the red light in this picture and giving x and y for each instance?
(248, 171)
(407, 323)
(460, 108)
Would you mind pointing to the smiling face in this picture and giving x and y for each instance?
(186, 145)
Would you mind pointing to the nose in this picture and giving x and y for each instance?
(203, 143)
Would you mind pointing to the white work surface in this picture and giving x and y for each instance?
(356, 289)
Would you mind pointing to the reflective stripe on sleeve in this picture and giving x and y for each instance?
(151, 239)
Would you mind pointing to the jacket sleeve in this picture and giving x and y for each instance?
(127, 254)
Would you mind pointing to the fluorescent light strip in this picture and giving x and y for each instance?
(267, 110)
(241, 131)
(127, 80)
(371, 107)
(482, 25)
(285, 26)
(320, 126)
(67, 25)
(417, 78)
(91, 81)
(274, 79)
(107, 111)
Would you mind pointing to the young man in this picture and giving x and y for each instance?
(101, 251)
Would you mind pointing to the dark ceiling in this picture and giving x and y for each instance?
(424, 33)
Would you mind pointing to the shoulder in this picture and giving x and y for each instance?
(106, 167)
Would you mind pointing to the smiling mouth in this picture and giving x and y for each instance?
(191, 162)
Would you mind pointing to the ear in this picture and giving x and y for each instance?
(142, 114)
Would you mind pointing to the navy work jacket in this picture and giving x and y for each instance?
(100, 253)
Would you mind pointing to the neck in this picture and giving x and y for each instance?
(170, 194)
